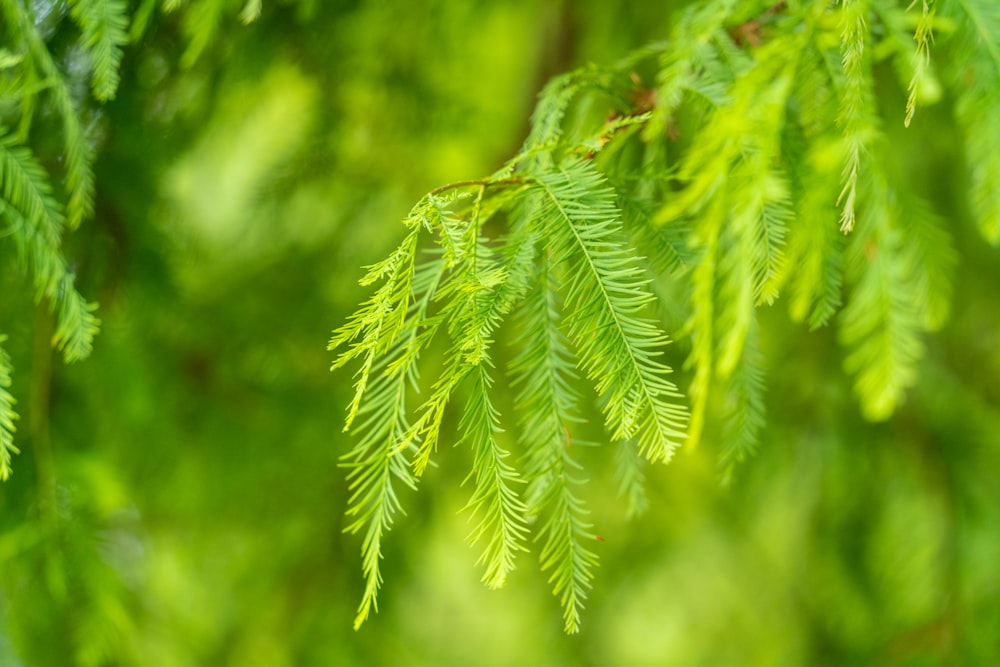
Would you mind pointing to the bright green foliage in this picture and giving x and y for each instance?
(754, 168)
(973, 70)
(39, 72)
(105, 31)
(31, 211)
(586, 269)
(35, 222)
(743, 161)
(544, 379)
(605, 297)
(921, 59)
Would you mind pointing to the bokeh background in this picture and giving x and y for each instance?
(192, 460)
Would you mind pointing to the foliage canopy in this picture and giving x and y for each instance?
(750, 159)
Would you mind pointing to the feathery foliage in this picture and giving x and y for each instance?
(682, 190)
(753, 167)
(35, 213)
(36, 223)
(105, 31)
(972, 71)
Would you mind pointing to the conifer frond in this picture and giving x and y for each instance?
(26, 188)
(738, 204)
(745, 408)
(375, 466)
(76, 324)
(543, 378)
(502, 512)
(77, 150)
(553, 101)
(501, 525)
(922, 37)
(881, 325)
(630, 475)
(932, 258)
(768, 235)
(975, 69)
(479, 295)
(564, 552)
(815, 249)
(105, 31)
(856, 102)
(700, 325)
(666, 246)
(380, 459)
(606, 294)
(7, 415)
(379, 322)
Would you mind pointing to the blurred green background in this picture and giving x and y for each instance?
(191, 462)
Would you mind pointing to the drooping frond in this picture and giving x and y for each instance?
(76, 324)
(922, 36)
(26, 188)
(501, 525)
(606, 294)
(35, 222)
(881, 325)
(974, 70)
(738, 204)
(543, 379)
(816, 253)
(549, 115)
(375, 467)
(931, 257)
(78, 153)
(479, 293)
(630, 476)
(502, 511)
(379, 462)
(7, 415)
(856, 102)
(769, 244)
(565, 533)
(377, 325)
(745, 408)
(105, 31)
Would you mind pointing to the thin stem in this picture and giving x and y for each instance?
(481, 182)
